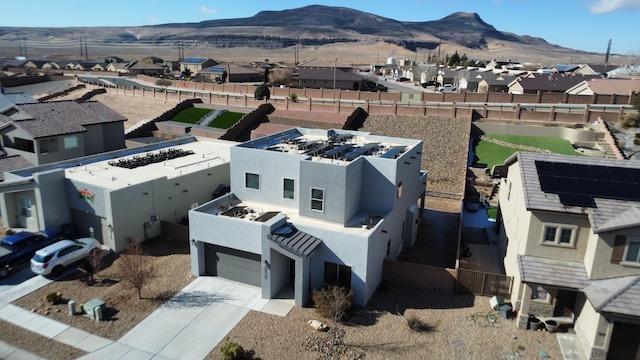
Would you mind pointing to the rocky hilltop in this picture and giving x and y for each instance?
(310, 26)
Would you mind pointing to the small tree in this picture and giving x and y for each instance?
(136, 269)
(635, 101)
(232, 351)
(164, 83)
(187, 72)
(262, 92)
(333, 302)
(95, 264)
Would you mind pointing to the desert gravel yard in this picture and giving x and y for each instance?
(463, 327)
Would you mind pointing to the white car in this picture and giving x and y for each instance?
(53, 259)
(447, 88)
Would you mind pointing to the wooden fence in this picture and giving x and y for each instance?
(483, 283)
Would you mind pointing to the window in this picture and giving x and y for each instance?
(509, 192)
(389, 247)
(317, 199)
(632, 250)
(539, 293)
(561, 235)
(399, 190)
(288, 187)
(252, 181)
(25, 208)
(70, 142)
(337, 274)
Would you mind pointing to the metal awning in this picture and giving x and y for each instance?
(294, 240)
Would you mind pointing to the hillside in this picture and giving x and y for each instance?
(277, 32)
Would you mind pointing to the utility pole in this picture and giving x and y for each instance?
(81, 49)
(606, 58)
(86, 50)
(335, 65)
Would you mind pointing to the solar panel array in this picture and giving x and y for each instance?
(579, 184)
(338, 147)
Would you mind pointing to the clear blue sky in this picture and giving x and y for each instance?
(578, 24)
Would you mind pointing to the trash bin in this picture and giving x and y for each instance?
(506, 311)
(496, 302)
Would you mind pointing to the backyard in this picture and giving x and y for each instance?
(493, 153)
(193, 115)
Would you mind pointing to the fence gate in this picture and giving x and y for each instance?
(484, 283)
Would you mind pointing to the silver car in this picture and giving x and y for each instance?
(53, 259)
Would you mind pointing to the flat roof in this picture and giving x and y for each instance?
(332, 145)
(144, 166)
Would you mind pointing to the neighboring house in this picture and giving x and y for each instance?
(35, 64)
(88, 66)
(322, 74)
(627, 70)
(58, 130)
(566, 68)
(494, 82)
(136, 67)
(234, 73)
(606, 87)
(122, 194)
(311, 207)
(594, 69)
(153, 60)
(570, 237)
(509, 64)
(195, 64)
(556, 83)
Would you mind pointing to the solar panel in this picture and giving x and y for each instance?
(391, 153)
(578, 184)
(577, 200)
(336, 150)
(359, 151)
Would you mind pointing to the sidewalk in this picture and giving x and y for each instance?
(189, 325)
(10, 352)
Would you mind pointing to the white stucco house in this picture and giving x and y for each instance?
(311, 207)
(570, 236)
(120, 194)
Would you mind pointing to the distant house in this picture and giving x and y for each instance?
(566, 68)
(136, 67)
(627, 70)
(556, 83)
(89, 66)
(232, 73)
(606, 87)
(47, 132)
(509, 64)
(594, 69)
(153, 60)
(494, 82)
(570, 237)
(35, 64)
(321, 74)
(195, 64)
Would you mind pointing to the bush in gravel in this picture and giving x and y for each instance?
(232, 351)
(332, 302)
(54, 298)
(630, 119)
(418, 324)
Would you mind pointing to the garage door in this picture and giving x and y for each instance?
(232, 264)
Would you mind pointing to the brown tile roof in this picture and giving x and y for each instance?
(63, 117)
(551, 83)
(614, 86)
(619, 295)
(10, 163)
(553, 272)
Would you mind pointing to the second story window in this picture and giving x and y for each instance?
(560, 235)
(288, 189)
(252, 181)
(632, 250)
(317, 199)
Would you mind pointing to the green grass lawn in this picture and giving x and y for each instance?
(492, 154)
(492, 212)
(226, 119)
(191, 115)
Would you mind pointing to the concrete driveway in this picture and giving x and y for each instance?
(192, 323)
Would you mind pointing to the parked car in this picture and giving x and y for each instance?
(430, 83)
(447, 88)
(53, 259)
(18, 248)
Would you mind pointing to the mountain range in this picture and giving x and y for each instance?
(311, 26)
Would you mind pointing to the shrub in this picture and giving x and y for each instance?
(636, 141)
(294, 97)
(232, 351)
(54, 298)
(418, 324)
(332, 302)
(630, 119)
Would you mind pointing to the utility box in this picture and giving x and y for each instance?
(94, 308)
(506, 311)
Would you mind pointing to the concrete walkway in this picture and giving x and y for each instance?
(188, 326)
(10, 352)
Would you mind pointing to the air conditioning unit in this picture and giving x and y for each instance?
(155, 218)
